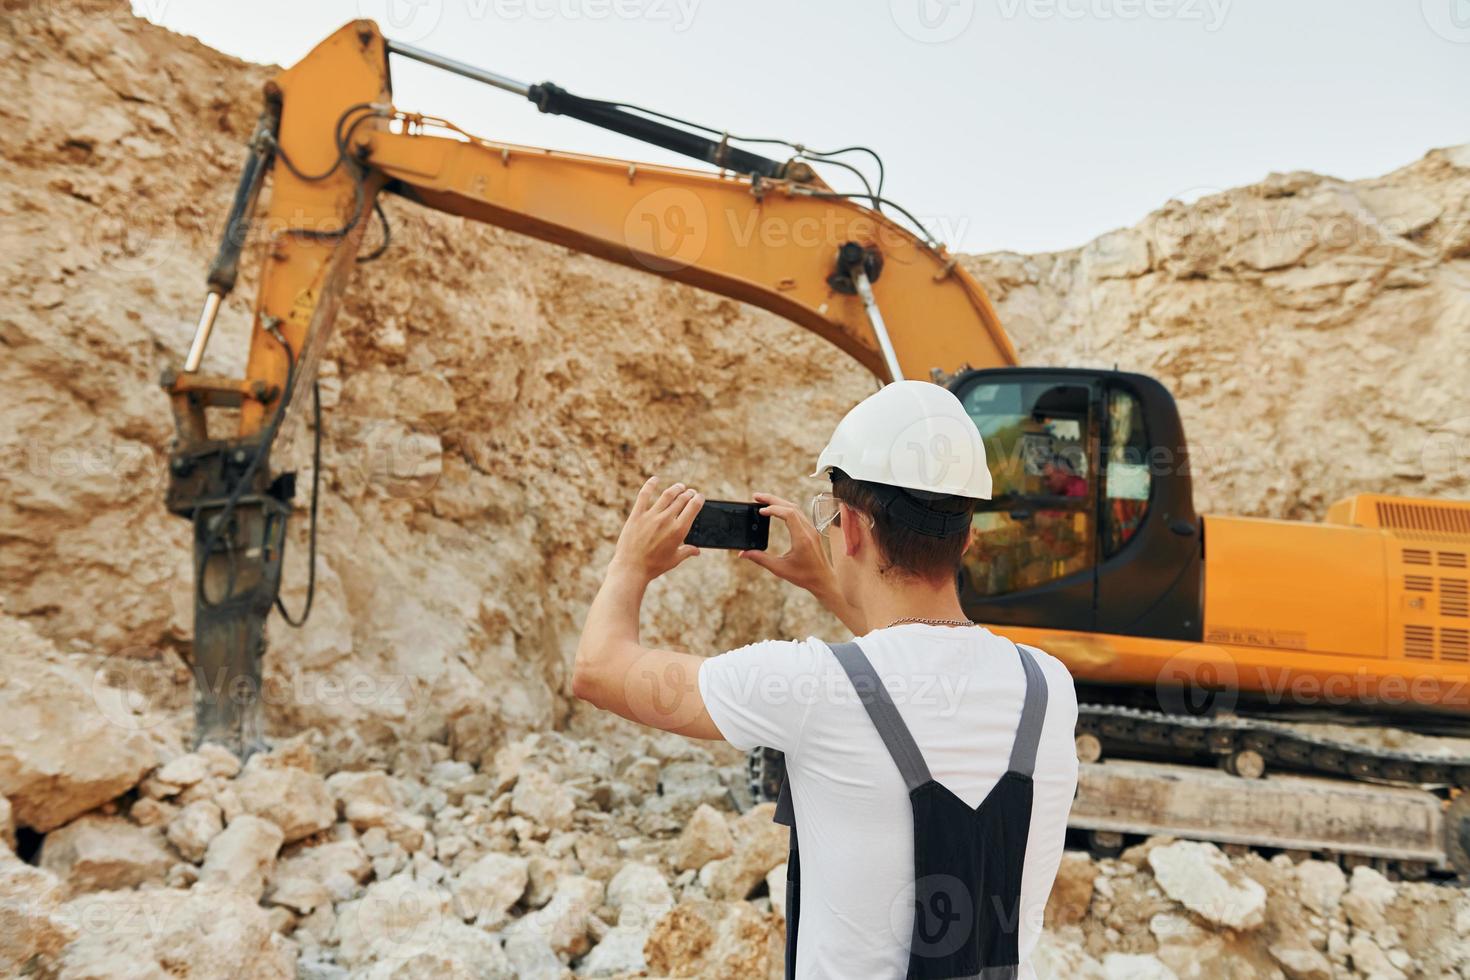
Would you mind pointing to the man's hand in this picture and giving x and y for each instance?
(652, 541)
(613, 670)
(805, 565)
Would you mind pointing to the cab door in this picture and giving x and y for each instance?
(1033, 554)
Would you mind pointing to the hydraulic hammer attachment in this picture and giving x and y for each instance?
(239, 514)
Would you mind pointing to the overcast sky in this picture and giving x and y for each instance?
(1007, 124)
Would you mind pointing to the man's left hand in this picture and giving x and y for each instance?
(652, 541)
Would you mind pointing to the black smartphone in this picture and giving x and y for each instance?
(730, 524)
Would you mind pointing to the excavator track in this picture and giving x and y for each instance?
(1282, 788)
(1134, 732)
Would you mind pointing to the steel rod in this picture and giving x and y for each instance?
(202, 331)
(459, 68)
(875, 317)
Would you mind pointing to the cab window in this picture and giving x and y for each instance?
(1127, 481)
(1038, 525)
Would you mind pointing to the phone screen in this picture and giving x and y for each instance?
(729, 524)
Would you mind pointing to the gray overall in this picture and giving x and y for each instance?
(967, 861)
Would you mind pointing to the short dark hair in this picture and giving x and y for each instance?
(903, 550)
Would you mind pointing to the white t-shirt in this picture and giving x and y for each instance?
(959, 690)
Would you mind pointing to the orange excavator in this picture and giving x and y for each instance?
(1192, 638)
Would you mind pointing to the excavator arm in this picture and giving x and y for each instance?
(766, 233)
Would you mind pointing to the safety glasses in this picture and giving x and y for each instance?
(826, 512)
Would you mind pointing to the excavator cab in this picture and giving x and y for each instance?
(1091, 526)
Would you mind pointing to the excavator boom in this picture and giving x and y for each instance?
(766, 233)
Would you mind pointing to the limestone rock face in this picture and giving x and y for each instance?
(1297, 313)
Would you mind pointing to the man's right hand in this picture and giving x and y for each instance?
(805, 565)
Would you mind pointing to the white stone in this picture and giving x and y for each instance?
(193, 827)
(563, 920)
(705, 838)
(392, 920)
(293, 799)
(1320, 885)
(242, 856)
(185, 770)
(617, 954)
(1201, 878)
(1301, 962)
(485, 891)
(364, 799)
(1135, 966)
(539, 798)
(776, 883)
(639, 894)
(33, 930)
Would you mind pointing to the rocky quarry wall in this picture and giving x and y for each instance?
(491, 405)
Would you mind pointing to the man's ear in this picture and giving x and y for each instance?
(852, 535)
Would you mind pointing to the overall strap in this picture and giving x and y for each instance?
(1033, 714)
(881, 709)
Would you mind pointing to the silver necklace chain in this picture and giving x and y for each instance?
(931, 622)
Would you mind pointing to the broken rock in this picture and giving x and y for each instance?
(68, 745)
(165, 932)
(563, 921)
(1200, 877)
(705, 838)
(485, 891)
(760, 845)
(194, 827)
(293, 799)
(100, 853)
(542, 800)
(242, 856)
(33, 930)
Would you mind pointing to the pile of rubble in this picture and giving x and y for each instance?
(554, 857)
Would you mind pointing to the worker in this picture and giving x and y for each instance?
(930, 762)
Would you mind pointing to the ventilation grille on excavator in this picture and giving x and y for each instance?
(1424, 641)
(1403, 516)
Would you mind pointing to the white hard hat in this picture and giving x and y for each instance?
(910, 434)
